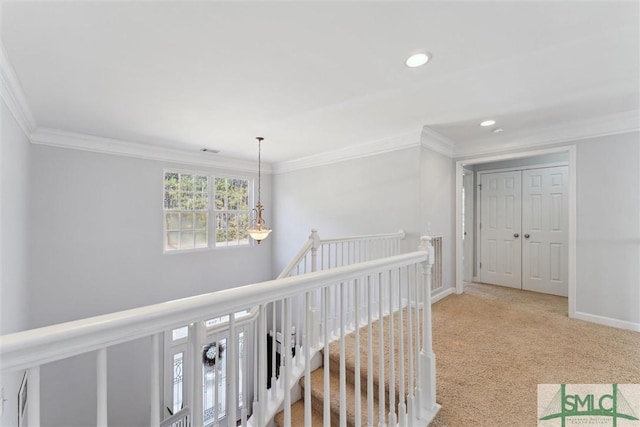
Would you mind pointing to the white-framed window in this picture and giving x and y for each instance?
(232, 211)
(203, 211)
(186, 210)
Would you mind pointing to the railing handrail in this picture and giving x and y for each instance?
(298, 258)
(35, 347)
(399, 234)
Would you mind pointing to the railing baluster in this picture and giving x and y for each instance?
(282, 349)
(370, 395)
(232, 372)
(411, 383)
(245, 378)
(392, 364)
(33, 408)
(216, 388)
(257, 340)
(102, 388)
(335, 314)
(274, 389)
(195, 336)
(402, 409)
(155, 380)
(381, 385)
(285, 356)
(343, 369)
(262, 366)
(358, 410)
(326, 386)
(307, 360)
(416, 335)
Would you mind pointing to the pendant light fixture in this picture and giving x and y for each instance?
(258, 231)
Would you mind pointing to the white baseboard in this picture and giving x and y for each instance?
(607, 321)
(442, 293)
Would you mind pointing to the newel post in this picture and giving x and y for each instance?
(315, 319)
(428, 407)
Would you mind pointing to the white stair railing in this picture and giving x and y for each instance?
(322, 254)
(405, 279)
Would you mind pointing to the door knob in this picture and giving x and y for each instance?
(516, 235)
(526, 236)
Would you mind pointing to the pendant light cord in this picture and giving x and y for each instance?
(259, 166)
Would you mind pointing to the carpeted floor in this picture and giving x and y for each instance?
(494, 345)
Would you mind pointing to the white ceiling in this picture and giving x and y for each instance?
(315, 77)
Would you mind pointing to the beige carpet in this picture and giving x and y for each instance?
(494, 345)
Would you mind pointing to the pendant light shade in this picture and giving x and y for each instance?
(258, 231)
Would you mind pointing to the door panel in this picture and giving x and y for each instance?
(545, 221)
(467, 232)
(500, 249)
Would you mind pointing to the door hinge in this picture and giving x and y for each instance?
(480, 265)
(480, 226)
(480, 187)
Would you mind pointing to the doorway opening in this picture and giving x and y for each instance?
(469, 174)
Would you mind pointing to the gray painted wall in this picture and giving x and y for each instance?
(15, 158)
(608, 227)
(370, 195)
(437, 206)
(96, 247)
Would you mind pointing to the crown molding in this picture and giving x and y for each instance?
(614, 124)
(399, 142)
(436, 142)
(96, 144)
(13, 96)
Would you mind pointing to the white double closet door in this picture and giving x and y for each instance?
(523, 229)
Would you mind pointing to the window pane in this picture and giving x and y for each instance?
(235, 195)
(186, 240)
(201, 201)
(178, 368)
(186, 183)
(171, 199)
(222, 185)
(221, 227)
(186, 201)
(186, 221)
(171, 181)
(173, 240)
(171, 221)
(201, 221)
(201, 183)
(201, 239)
(180, 333)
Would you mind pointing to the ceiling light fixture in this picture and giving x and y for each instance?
(258, 231)
(488, 123)
(418, 59)
(499, 130)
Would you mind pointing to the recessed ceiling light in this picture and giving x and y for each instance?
(418, 59)
(499, 130)
(488, 123)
